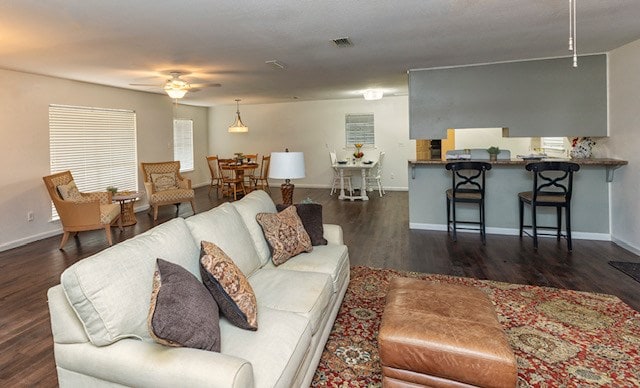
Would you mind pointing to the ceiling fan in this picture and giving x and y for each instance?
(177, 87)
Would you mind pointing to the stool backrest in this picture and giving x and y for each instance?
(553, 178)
(468, 177)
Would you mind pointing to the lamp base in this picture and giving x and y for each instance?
(287, 193)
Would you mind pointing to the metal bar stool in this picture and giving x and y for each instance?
(552, 186)
(467, 186)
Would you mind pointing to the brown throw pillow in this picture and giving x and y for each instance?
(285, 234)
(182, 311)
(229, 287)
(166, 181)
(311, 216)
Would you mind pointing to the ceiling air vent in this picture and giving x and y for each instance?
(343, 42)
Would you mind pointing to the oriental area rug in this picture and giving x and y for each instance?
(561, 338)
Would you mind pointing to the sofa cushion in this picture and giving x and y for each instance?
(311, 216)
(182, 311)
(229, 287)
(256, 202)
(285, 233)
(276, 351)
(304, 293)
(224, 227)
(97, 286)
(329, 259)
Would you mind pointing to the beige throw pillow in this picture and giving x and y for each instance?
(285, 234)
(229, 287)
(69, 192)
(165, 181)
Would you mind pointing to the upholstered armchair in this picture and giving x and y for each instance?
(81, 211)
(165, 186)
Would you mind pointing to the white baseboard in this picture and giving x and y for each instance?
(625, 245)
(26, 240)
(512, 231)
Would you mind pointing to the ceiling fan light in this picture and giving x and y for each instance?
(372, 94)
(175, 93)
(238, 126)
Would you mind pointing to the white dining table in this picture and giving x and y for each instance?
(363, 167)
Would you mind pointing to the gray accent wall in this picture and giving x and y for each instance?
(532, 98)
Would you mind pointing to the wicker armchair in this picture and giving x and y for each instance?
(89, 211)
(158, 195)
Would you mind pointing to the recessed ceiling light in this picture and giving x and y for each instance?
(373, 94)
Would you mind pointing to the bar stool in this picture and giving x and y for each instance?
(467, 186)
(552, 186)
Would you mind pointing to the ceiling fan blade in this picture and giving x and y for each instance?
(158, 85)
(206, 85)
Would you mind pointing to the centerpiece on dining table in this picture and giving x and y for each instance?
(239, 156)
(358, 154)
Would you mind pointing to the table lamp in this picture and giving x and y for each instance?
(287, 165)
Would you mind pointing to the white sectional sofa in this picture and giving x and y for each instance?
(99, 311)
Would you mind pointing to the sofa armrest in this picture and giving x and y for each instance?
(137, 363)
(333, 234)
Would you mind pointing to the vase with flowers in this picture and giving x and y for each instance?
(581, 147)
(358, 154)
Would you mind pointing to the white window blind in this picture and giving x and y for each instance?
(183, 143)
(97, 145)
(359, 129)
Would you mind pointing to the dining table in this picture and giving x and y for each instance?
(363, 166)
(239, 169)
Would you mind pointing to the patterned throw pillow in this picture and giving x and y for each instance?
(229, 287)
(165, 181)
(69, 192)
(311, 216)
(182, 311)
(285, 234)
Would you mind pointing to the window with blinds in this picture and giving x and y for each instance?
(97, 145)
(183, 143)
(552, 143)
(359, 129)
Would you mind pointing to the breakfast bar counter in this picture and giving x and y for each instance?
(428, 180)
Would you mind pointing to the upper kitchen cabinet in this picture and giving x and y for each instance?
(534, 98)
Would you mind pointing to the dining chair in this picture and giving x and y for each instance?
(335, 183)
(467, 186)
(250, 174)
(216, 178)
(232, 184)
(165, 186)
(81, 211)
(374, 178)
(552, 187)
(263, 178)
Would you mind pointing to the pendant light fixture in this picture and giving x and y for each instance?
(238, 126)
(572, 31)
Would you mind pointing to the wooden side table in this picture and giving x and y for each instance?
(126, 199)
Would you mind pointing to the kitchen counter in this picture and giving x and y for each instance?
(590, 204)
(609, 163)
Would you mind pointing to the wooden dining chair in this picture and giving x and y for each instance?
(263, 178)
(216, 178)
(250, 174)
(232, 185)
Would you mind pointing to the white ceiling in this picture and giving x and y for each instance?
(119, 42)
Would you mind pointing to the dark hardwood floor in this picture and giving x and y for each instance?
(376, 232)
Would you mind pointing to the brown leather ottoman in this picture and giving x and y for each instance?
(442, 335)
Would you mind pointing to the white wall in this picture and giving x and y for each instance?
(315, 128)
(624, 143)
(24, 151)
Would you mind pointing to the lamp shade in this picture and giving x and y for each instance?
(287, 165)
